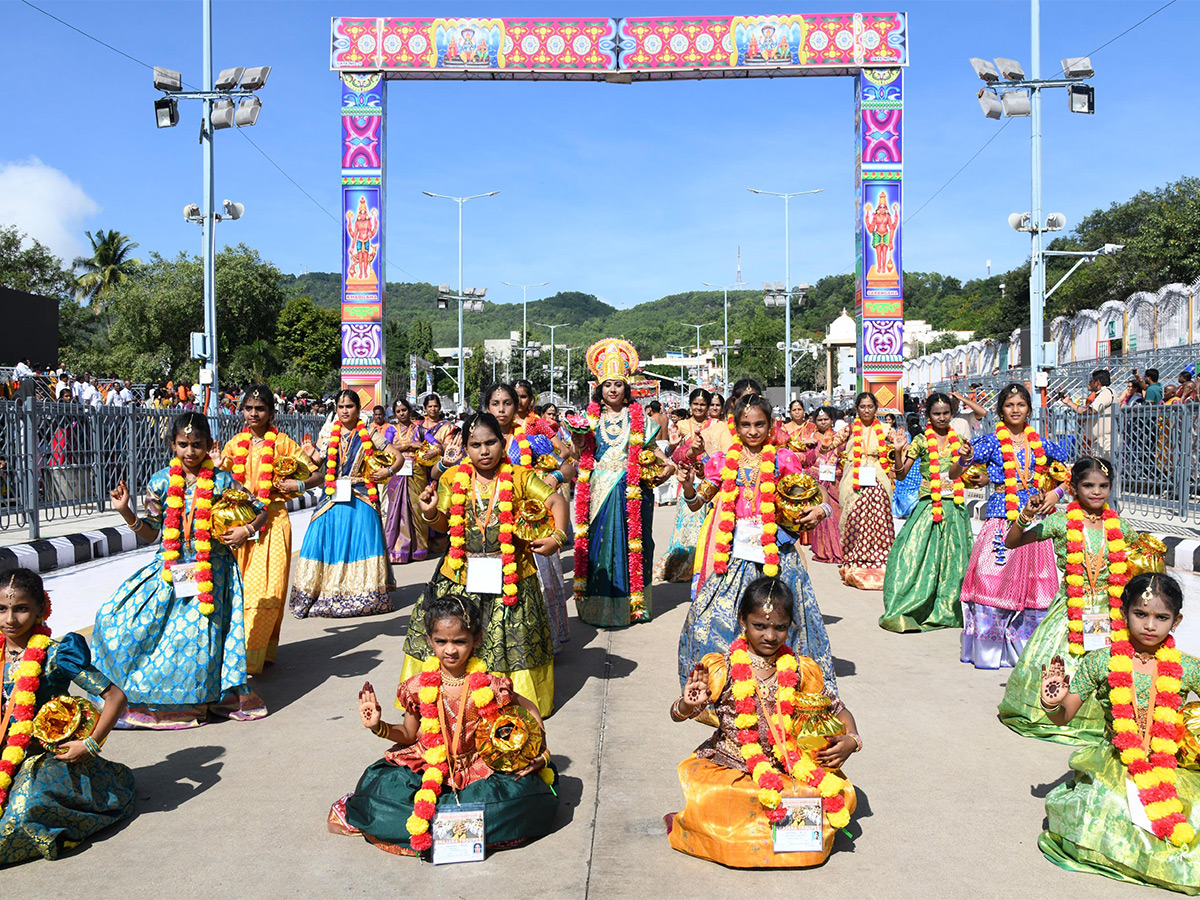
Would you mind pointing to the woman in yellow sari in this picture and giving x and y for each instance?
(266, 560)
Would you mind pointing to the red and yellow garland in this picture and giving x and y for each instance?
(726, 511)
(458, 524)
(24, 706)
(633, 508)
(266, 468)
(1009, 455)
(1117, 570)
(173, 528)
(526, 452)
(331, 460)
(1153, 773)
(935, 471)
(857, 447)
(797, 764)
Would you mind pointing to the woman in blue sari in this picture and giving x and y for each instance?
(175, 663)
(614, 543)
(343, 565)
(57, 797)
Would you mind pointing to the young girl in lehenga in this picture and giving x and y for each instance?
(736, 783)
(1089, 541)
(865, 492)
(441, 755)
(742, 488)
(822, 459)
(175, 640)
(1005, 593)
(51, 798)
(1125, 813)
(925, 568)
(475, 501)
(679, 560)
(406, 536)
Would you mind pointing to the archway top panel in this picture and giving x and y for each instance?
(632, 49)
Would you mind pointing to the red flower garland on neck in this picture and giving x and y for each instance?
(24, 704)
(266, 468)
(1117, 569)
(935, 469)
(458, 529)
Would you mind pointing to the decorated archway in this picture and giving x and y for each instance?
(871, 48)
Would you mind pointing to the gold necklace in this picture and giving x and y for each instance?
(449, 681)
(762, 662)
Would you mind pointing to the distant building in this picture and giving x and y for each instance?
(919, 334)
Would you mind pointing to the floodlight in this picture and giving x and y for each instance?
(228, 79)
(233, 210)
(167, 80)
(1010, 69)
(222, 114)
(191, 211)
(481, 292)
(1019, 221)
(1078, 67)
(166, 112)
(766, 287)
(443, 288)
(468, 292)
(1081, 98)
(247, 112)
(985, 69)
(441, 301)
(1110, 249)
(802, 286)
(1055, 222)
(255, 77)
(779, 286)
(1016, 103)
(989, 102)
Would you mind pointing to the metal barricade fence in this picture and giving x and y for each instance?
(60, 460)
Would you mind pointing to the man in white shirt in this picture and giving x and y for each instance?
(1102, 400)
(22, 370)
(119, 395)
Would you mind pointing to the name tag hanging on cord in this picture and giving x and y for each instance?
(485, 574)
(827, 471)
(747, 541)
(867, 476)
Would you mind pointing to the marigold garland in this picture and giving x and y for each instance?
(1034, 447)
(745, 691)
(726, 509)
(432, 739)
(858, 447)
(1117, 569)
(525, 451)
(633, 508)
(935, 471)
(457, 557)
(1153, 773)
(24, 706)
(331, 460)
(266, 467)
(173, 528)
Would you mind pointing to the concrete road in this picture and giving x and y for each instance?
(950, 801)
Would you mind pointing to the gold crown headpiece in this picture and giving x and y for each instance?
(612, 359)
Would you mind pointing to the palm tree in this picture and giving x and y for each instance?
(108, 266)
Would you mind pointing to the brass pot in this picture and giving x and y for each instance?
(976, 475)
(1188, 753)
(546, 463)
(813, 723)
(429, 454)
(65, 718)
(297, 467)
(511, 741)
(1057, 473)
(650, 465)
(796, 443)
(795, 495)
(1146, 554)
(231, 510)
(532, 521)
(382, 460)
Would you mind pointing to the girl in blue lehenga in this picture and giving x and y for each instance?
(57, 798)
(712, 620)
(605, 593)
(904, 495)
(343, 565)
(175, 663)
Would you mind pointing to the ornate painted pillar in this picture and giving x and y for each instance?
(364, 172)
(878, 273)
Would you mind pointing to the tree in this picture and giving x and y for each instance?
(28, 265)
(309, 338)
(109, 265)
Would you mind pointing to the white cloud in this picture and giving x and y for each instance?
(47, 205)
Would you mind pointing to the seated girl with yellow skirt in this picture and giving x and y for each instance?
(452, 735)
(781, 735)
(1129, 812)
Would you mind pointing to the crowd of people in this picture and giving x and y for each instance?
(762, 495)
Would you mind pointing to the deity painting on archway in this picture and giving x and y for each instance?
(362, 229)
(881, 221)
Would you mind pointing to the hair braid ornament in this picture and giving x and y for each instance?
(1117, 569)
(953, 445)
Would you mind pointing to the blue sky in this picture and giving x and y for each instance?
(628, 192)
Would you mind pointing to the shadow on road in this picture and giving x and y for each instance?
(169, 783)
(578, 662)
(570, 793)
(1042, 790)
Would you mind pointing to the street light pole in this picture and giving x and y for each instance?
(697, 327)
(787, 277)
(525, 320)
(462, 390)
(209, 236)
(567, 372)
(1037, 269)
(725, 342)
(552, 327)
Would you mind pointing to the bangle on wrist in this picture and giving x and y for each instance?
(427, 520)
(858, 744)
(1049, 709)
(91, 746)
(135, 524)
(383, 730)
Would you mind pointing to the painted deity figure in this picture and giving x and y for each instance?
(362, 226)
(881, 223)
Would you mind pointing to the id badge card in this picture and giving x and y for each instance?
(485, 575)
(663, 445)
(801, 830)
(867, 476)
(458, 834)
(827, 471)
(747, 541)
(1137, 812)
(406, 469)
(183, 578)
(1096, 626)
(342, 492)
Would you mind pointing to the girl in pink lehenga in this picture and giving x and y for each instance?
(821, 458)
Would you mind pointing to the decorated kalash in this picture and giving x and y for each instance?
(766, 789)
(468, 768)
(614, 503)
